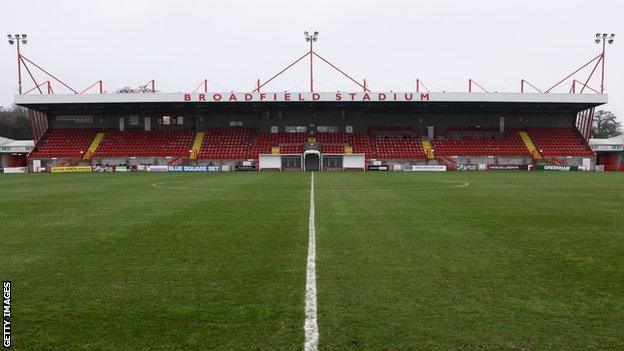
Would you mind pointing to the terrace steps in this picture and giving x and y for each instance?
(528, 142)
(94, 145)
(199, 138)
(426, 144)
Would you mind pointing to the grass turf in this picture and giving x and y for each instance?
(406, 261)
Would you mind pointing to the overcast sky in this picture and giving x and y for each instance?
(390, 43)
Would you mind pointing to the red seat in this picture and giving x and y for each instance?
(226, 143)
(480, 141)
(559, 142)
(138, 143)
(65, 143)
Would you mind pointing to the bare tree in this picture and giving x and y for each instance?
(605, 125)
(14, 123)
(141, 89)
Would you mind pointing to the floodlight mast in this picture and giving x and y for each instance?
(15, 40)
(604, 38)
(311, 38)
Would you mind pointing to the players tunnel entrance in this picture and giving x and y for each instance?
(311, 160)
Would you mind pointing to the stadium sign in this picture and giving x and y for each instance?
(558, 168)
(294, 97)
(507, 167)
(597, 147)
(15, 170)
(378, 168)
(303, 97)
(467, 167)
(193, 168)
(424, 168)
(70, 169)
(157, 168)
(16, 149)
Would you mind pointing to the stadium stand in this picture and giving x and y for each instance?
(398, 148)
(332, 148)
(381, 142)
(143, 143)
(361, 143)
(291, 149)
(225, 143)
(473, 141)
(65, 143)
(289, 143)
(559, 142)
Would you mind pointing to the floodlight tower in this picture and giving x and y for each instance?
(15, 40)
(311, 38)
(603, 38)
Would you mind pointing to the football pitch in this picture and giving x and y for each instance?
(404, 261)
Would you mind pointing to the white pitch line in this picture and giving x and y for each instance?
(311, 326)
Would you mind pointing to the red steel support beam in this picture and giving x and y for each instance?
(50, 75)
(471, 81)
(279, 73)
(585, 86)
(523, 82)
(573, 73)
(339, 70)
(592, 73)
(37, 86)
(420, 83)
(47, 83)
(99, 83)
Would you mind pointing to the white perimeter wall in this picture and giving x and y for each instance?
(268, 161)
(353, 161)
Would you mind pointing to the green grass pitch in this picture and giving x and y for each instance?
(405, 261)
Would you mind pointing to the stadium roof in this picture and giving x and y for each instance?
(9, 145)
(243, 97)
(611, 144)
(380, 100)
